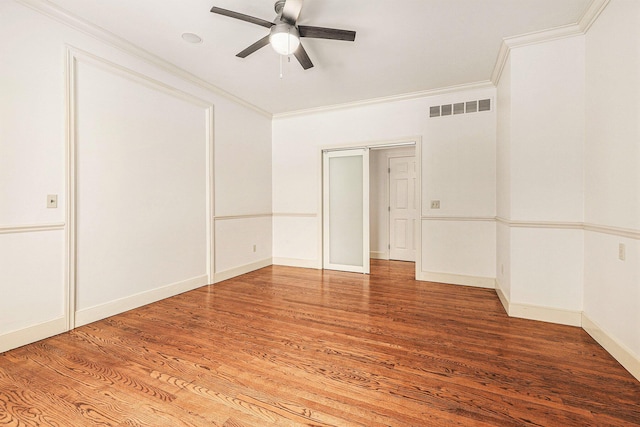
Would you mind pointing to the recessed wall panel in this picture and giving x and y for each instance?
(141, 181)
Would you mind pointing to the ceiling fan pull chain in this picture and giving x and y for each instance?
(280, 65)
(289, 46)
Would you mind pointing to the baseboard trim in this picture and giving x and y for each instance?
(535, 312)
(102, 311)
(546, 314)
(31, 334)
(619, 351)
(379, 255)
(503, 298)
(297, 262)
(243, 269)
(457, 279)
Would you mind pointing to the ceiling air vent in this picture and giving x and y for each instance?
(460, 108)
(471, 106)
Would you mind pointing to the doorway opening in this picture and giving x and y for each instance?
(393, 204)
(371, 203)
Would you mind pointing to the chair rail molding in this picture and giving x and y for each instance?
(32, 228)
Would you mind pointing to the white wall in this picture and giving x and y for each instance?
(378, 223)
(242, 190)
(540, 191)
(33, 275)
(141, 180)
(569, 182)
(612, 189)
(31, 166)
(503, 182)
(458, 160)
(547, 131)
(459, 170)
(240, 236)
(459, 248)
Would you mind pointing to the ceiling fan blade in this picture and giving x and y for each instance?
(303, 58)
(257, 45)
(242, 17)
(326, 33)
(291, 11)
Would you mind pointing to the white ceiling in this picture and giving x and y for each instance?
(401, 47)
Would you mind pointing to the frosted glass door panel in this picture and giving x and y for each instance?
(345, 210)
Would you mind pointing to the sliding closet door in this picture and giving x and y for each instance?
(346, 210)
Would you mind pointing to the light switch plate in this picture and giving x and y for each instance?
(52, 201)
(435, 204)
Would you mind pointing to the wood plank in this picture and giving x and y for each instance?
(289, 346)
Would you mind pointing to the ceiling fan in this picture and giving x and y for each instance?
(284, 35)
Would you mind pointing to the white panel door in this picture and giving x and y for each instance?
(346, 210)
(403, 212)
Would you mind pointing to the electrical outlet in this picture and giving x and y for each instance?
(52, 201)
(622, 252)
(254, 248)
(435, 204)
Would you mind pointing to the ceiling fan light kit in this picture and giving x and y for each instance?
(284, 38)
(284, 33)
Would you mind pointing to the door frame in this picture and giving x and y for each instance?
(373, 145)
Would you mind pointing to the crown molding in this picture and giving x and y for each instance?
(528, 39)
(501, 61)
(585, 22)
(591, 14)
(67, 18)
(486, 84)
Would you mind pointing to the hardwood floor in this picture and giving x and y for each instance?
(286, 346)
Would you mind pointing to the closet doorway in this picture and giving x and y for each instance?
(370, 205)
(394, 204)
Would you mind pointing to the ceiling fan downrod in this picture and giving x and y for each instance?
(279, 5)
